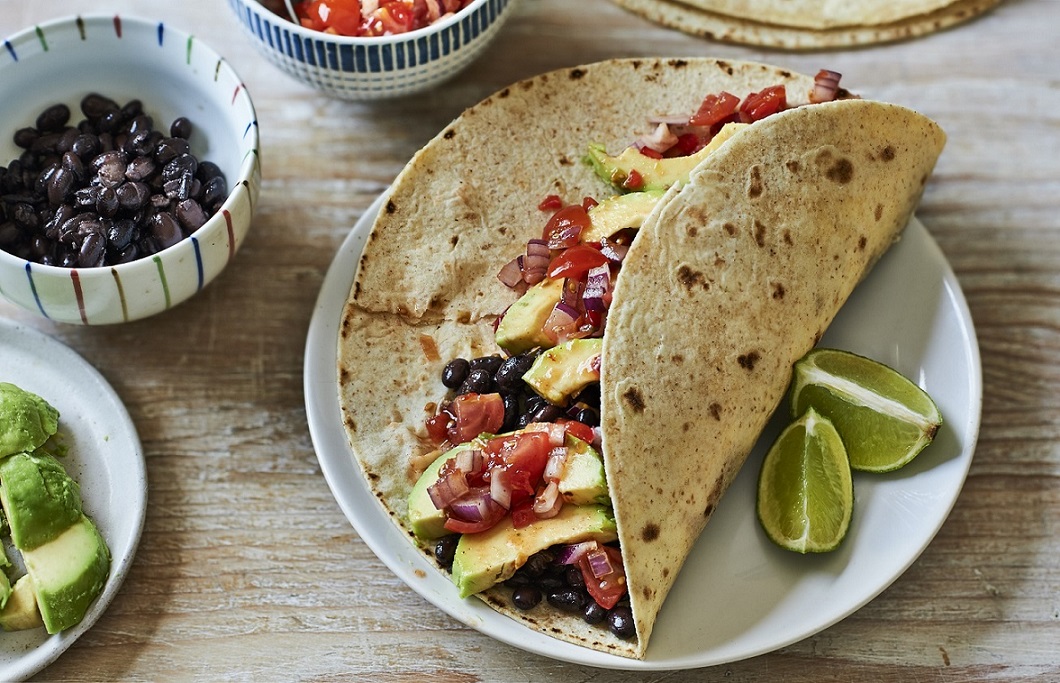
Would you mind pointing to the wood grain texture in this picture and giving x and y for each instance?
(249, 571)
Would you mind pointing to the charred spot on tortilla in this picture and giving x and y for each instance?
(778, 290)
(678, 63)
(677, 358)
(693, 231)
(391, 207)
(576, 74)
(449, 134)
(429, 347)
(793, 165)
(715, 410)
(565, 160)
(842, 171)
(729, 229)
(634, 399)
(726, 67)
(650, 532)
(879, 211)
(760, 233)
(888, 153)
(862, 241)
(747, 360)
(709, 510)
(686, 426)
(692, 278)
(787, 238)
(754, 183)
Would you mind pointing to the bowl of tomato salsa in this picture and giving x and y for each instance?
(372, 49)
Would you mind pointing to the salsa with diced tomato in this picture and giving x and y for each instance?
(373, 17)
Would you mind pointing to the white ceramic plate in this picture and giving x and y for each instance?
(738, 595)
(104, 457)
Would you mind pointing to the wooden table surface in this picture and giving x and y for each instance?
(247, 568)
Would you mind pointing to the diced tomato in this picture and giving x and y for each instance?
(565, 226)
(715, 108)
(588, 203)
(578, 430)
(552, 202)
(438, 427)
(759, 105)
(474, 414)
(606, 590)
(575, 262)
(649, 152)
(525, 451)
(634, 181)
(523, 513)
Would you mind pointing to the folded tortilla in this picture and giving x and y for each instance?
(805, 25)
(731, 279)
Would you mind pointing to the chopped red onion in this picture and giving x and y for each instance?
(548, 503)
(660, 139)
(500, 487)
(570, 554)
(599, 562)
(474, 506)
(668, 119)
(535, 265)
(614, 251)
(470, 461)
(562, 322)
(557, 462)
(447, 489)
(825, 86)
(512, 273)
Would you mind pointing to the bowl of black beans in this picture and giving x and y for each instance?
(129, 168)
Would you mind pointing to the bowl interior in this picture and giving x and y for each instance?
(123, 58)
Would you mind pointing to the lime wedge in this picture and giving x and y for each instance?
(883, 418)
(805, 492)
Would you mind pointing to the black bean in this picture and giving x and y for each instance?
(526, 597)
(588, 416)
(573, 576)
(25, 216)
(60, 185)
(86, 146)
(190, 215)
(568, 599)
(120, 234)
(92, 251)
(134, 108)
(165, 230)
(477, 382)
(620, 621)
(488, 363)
(72, 162)
(547, 413)
(53, 118)
(140, 168)
(9, 234)
(180, 128)
(25, 137)
(511, 412)
(132, 196)
(208, 170)
(107, 202)
(455, 372)
(214, 190)
(509, 375)
(95, 105)
(594, 613)
(110, 166)
(445, 549)
(538, 563)
(138, 122)
(169, 149)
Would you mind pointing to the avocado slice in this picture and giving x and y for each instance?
(428, 522)
(583, 481)
(20, 612)
(39, 498)
(485, 559)
(521, 328)
(69, 573)
(620, 212)
(26, 420)
(657, 174)
(563, 370)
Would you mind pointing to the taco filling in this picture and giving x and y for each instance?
(515, 492)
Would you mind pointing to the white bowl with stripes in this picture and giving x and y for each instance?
(373, 68)
(174, 75)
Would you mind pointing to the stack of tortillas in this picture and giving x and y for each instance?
(808, 24)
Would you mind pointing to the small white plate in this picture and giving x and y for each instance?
(104, 457)
(737, 595)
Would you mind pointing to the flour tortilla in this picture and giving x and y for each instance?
(739, 21)
(426, 288)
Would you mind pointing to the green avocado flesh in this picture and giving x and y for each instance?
(566, 369)
(66, 559)
(617, 213)
(69, 573)
(39, 498)
(26, 420)
(521, 328)
(485, 559)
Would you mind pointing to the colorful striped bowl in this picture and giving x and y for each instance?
(174, 75)
(353, 68)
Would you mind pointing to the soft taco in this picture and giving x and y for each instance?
(539, 417)
(807, 25)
